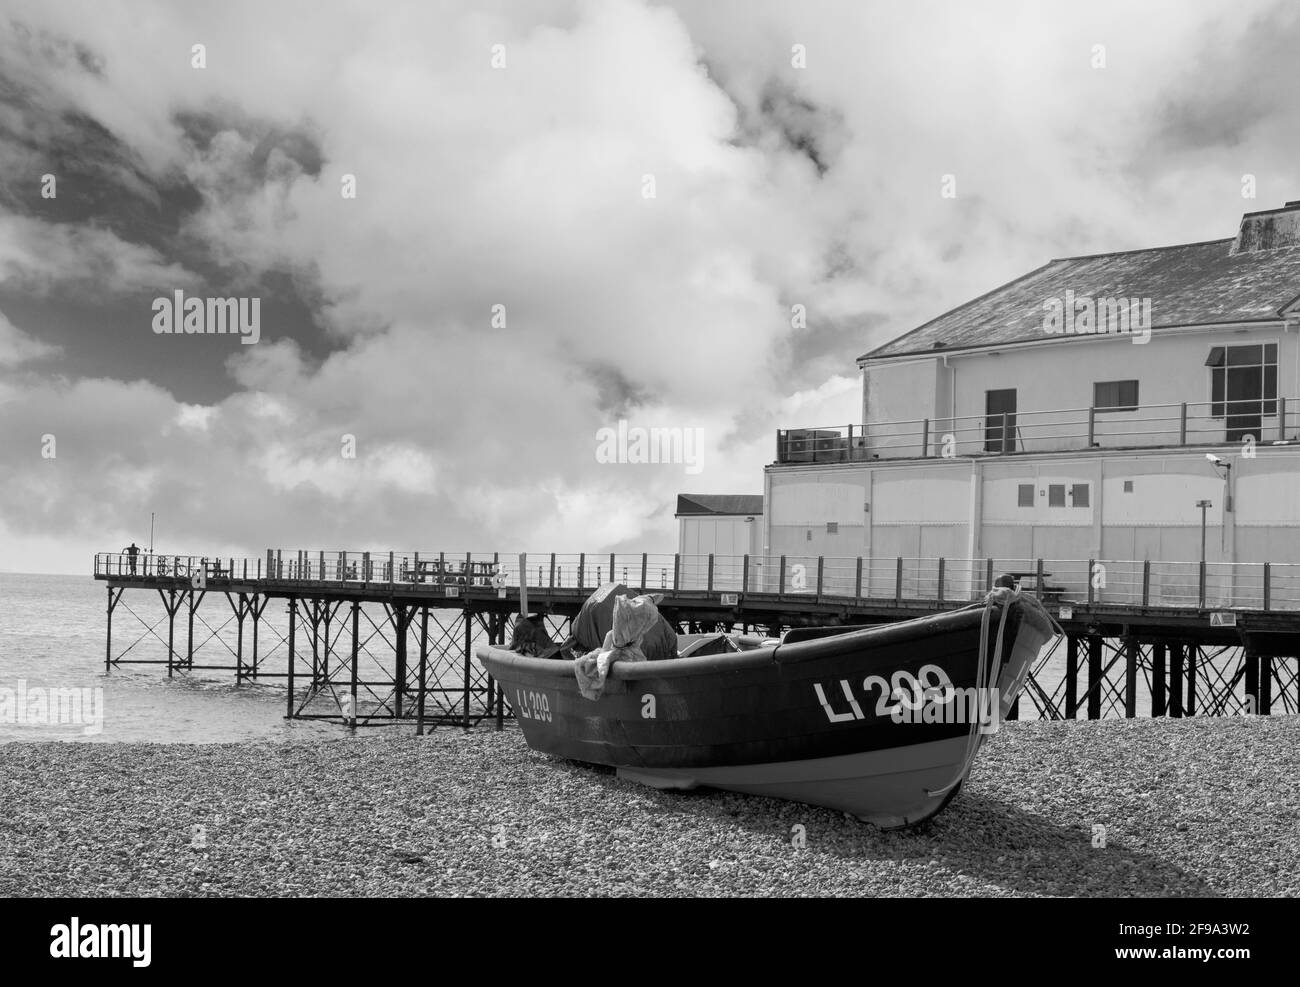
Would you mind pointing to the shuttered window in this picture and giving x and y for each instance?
(1115, 395)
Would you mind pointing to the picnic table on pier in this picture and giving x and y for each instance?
(450, 572)
(1038, 583)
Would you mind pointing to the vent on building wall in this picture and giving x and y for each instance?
(832, 527)
(1128, 486)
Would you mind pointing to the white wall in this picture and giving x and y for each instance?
(896, 402)
(728, 539)
(1170, 369)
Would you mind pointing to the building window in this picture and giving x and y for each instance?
(1056, 495)
(1115, 395)
(1079, 495)
(1128, 486)
(1025, 495)
(1243, 386)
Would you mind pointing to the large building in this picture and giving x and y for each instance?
(1129, 406)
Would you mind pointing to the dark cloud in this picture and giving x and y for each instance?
(300, 144)
(617, 394)
(1235, 83)
(55, 50)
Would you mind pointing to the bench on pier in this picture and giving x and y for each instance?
(1036, 583)
(449, 573)
(215, 570)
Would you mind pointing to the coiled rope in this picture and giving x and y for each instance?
(1002, 596)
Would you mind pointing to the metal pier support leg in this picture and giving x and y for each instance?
(315, 645)
(490, 625)
(1176, 682)
(1193, 652)
(108, 636)
(171, 606)
(1158, 702)
(356, 650)
(400, 619)
(501, 694)
(1265, 685)
(1094, 678)
(325, 654)
(240, 613)
(1130, 677)
(1251, 662)
(1071, 678)
(469, 647)
(424, 670)
(189, 641)
(293, 626)
(259, 604)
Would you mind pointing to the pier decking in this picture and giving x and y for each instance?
(377, 637)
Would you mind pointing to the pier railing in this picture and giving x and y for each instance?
(1215, 585)
(1275, 419)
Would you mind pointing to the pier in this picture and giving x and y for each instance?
(369, 638)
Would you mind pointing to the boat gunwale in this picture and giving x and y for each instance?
(879, 636)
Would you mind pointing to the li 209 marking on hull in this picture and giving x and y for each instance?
(930, 683)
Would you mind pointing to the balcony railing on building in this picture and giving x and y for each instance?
(1269, 421)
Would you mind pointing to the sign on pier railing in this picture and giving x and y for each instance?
(940, 582)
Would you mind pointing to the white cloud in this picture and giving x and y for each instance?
(39, 256)
(523, 187)
(17, 347)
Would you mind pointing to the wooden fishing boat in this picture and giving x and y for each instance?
(880, 722)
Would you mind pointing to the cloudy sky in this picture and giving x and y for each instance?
(640, 191)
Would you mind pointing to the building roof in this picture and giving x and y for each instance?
(1195, 284)
(693, 505)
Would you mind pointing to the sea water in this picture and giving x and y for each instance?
(53, 685)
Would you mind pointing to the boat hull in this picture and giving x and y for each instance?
(890, 788)
(813, 721)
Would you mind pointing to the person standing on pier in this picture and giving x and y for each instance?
(131, 551)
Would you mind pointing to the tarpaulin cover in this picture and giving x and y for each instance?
(632, 619)
(596, 618)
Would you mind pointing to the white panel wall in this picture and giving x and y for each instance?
(904, 392)
(816, 503)
(717, 535)
(921, 509)
(916, 497)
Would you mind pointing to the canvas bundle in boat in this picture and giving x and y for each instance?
(596, 618)
(633, 619)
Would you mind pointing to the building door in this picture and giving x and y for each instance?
(1000, 420)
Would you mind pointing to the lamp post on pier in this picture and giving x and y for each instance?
(1203, 504)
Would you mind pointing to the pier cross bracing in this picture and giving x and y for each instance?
(368, 638)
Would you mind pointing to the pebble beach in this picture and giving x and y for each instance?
(1200, 807)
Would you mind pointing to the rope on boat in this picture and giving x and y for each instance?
(1002, 596)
